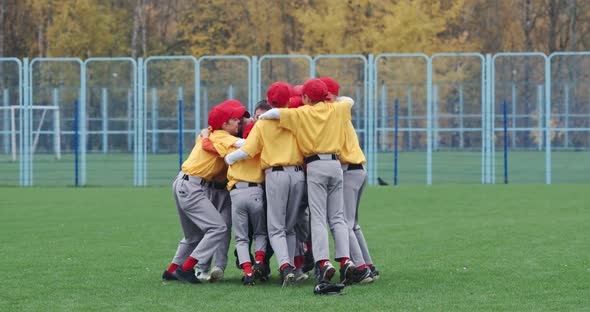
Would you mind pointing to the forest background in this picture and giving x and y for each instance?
(142, 28)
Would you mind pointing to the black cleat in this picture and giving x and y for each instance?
(168, 277)
(309, 263)
(248, 280)
(287, 276)
(362, 276)
(374, 273)
(261, 271)
(326, 273)
(186, 276)
(346, 272)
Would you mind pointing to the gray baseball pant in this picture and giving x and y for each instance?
(221, 199)
(201, 223)
(248, 208)
(302, 226)
(325, 195)
(354, 184)
(357, 228)
(284, 192)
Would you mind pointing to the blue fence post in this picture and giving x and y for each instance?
(396, 141)
(180, 128)
(409, 122)
(505, 122)
(76, 143)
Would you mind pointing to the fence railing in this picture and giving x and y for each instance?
(445, 118)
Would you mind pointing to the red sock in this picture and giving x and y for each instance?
(189, 264)
(247, 267)
(323, 263)
(343, 261)
(299, 261)
(370, 265)
(172, 268)
(284, 266)
(362, 267)
(260, 256)
(308, 245)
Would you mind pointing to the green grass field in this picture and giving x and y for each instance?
(441, 248)
(447, 167)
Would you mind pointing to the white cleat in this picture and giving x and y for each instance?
(216, 274)
(203, 276)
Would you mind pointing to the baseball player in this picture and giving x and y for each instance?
(303, 258)
(282, 161)
(202, 225)
(354, 178)
(217, 191)
(318, 125)
(245, 178)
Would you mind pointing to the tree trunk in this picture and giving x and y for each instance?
(553, 14)
(143, 20)
(135, 30)
(2, 10)
(573, 34)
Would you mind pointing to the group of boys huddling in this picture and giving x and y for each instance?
(298, 166)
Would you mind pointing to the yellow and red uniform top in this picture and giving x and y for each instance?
(247, 170)
(318, 128)
(275, 145)
(203, 164)
(351, 150)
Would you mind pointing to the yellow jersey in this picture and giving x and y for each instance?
(202, 164)
(277, 146)
(318, 128)
(351, 150)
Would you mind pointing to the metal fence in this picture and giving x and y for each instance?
(445, 118)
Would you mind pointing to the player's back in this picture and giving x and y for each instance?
(318, 128)
(279, 145)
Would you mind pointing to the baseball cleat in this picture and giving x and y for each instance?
(346, 272)
(326, 273)
(248, 280)
(203, 276)
(287, 276)
(309, 263)
(362, 276)
(186, 276)
(374, 273)
(168, 276)
(216, 274)
(261, 271)
(300, 275)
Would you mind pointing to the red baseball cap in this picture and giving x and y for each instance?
(235, 104)
(295, 101)
(297, 90)
(278, 94)
(315, 89)
(247, 130)
(221, 113)
(333, 86)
